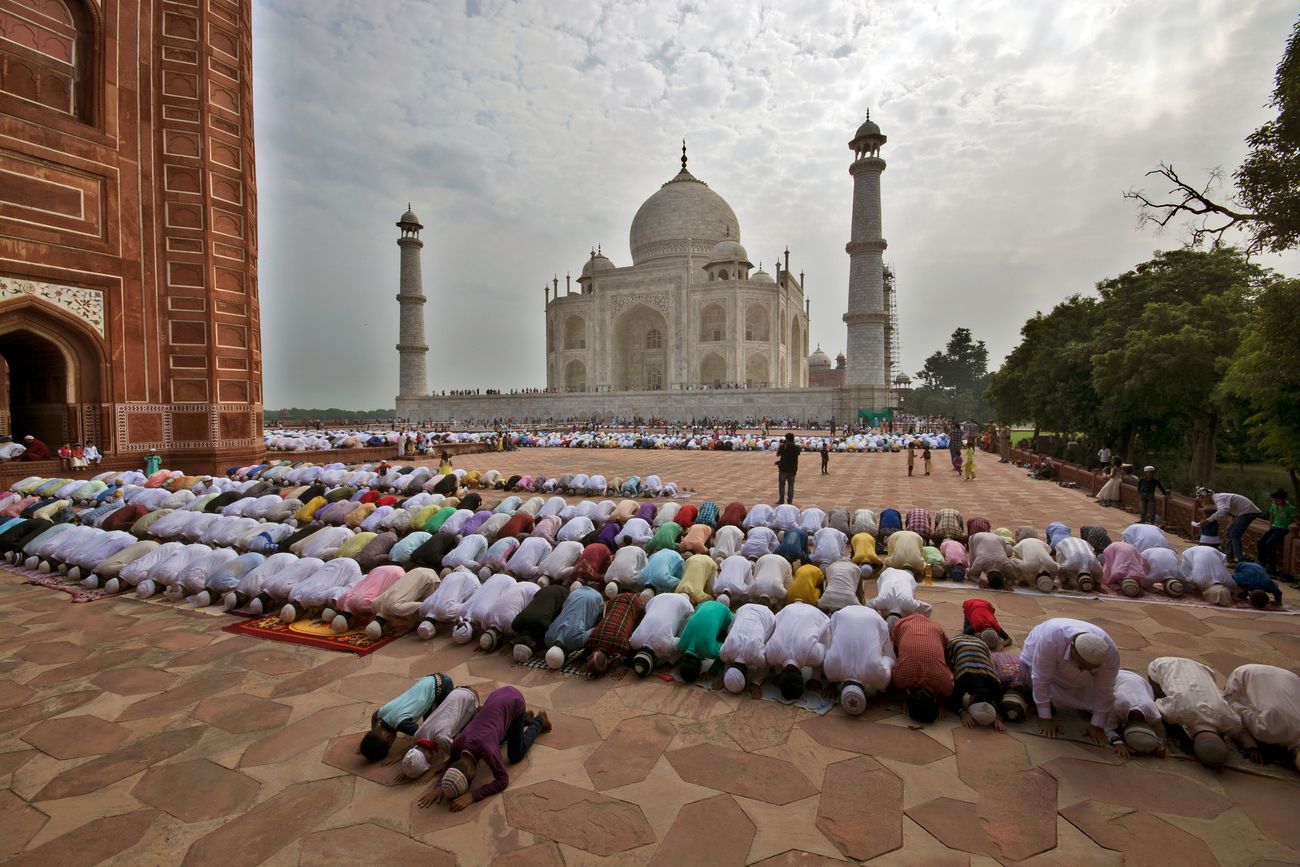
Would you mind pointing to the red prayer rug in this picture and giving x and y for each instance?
(314, 633)
(54, 581)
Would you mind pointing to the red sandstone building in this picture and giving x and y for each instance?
(128, 228)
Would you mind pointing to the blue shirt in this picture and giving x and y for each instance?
(663, 571)
(1252, 576)
(403, 714)
(581, 611)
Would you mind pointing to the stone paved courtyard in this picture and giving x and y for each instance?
(132, 733)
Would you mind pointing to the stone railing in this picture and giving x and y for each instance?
(1177, 510)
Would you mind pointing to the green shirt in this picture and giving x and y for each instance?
(152, 464)
(1283, 516)
(703, 634)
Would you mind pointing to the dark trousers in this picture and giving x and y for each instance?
(1236, 530)
(1148, 508)
(826, 460)
(784, 487)
(520, 737)
(1270, 547)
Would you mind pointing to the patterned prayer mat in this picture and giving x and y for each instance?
(54, 581)
(1105, 594)
(574, 665)
(314, 633)
(162, 601)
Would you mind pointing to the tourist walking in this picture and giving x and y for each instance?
(970, 461)
(787, 466)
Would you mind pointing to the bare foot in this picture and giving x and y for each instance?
(546, 721)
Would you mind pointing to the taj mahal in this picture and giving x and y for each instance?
(690, 326)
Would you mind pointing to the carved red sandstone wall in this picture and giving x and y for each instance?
(128, 222)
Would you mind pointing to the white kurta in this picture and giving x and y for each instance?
(735, 578)
(1191, 696)
(661, 625)
(1057, 680)
(858, 648)
(478, 610)
(726, 542)
(448, 601)
(626, 566)
(1204, 566)
(1132, 693)
(896, 594)
(797, 638)
(1145, 536)
(772, 577)
(1075, 557)
(446, 720)
(559, 563)
(1034, 558)
(1162, 564)
(746, 641)
(1267, 699)
(828, 545)
(759, 541)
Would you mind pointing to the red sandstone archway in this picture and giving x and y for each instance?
(51, 376)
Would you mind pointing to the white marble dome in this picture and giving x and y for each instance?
(682, 209)
(728, 250)
(597, 263)
(761, 276)
(819, 359)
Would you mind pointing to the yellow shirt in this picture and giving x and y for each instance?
(697, 578)
(864, 549)
(807, 585)
(444, 468)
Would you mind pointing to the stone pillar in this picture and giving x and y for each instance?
(867, 317)
(411, 348)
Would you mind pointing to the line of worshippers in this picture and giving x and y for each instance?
(577, 622)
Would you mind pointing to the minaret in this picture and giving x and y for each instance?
(867, 317)
(411, 348)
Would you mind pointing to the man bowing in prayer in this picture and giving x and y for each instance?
(1072, 664)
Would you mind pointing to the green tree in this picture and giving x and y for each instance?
(1265, 375)
(954, 379)
(1266, 204)
(1169, 329)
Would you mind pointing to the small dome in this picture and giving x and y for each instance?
(596, 263)
(728, 250)
(409, 217)
(840, 360)
(868, 128)
(819, 359)
(761, 276)
(902, 379)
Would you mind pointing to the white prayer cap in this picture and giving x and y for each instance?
(415, 764)
(374, 630)
(43, 566)
(522, 653)
(1210, 749)
(1131, 587)
(1174, 588)
(611, 590)
(1148, 469)
(733, 679)
(1045, 583)
(1091, 647)
(339, 624)
(983, 713)
(1141, 738)
(542, 581)
(462, 633)
(647, 594)
(853, 699)
(426, 629)
(554, 658)
(724, 599)
(1217, 594)
(990, 638)
(288, 613)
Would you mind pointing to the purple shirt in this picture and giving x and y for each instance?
(647, 511)
(470, 526)
(608, 534)
(484, 734)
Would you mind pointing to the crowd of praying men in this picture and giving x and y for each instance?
(601, 438)
(758, 594)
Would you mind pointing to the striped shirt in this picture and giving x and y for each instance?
(614, 632)
(918, 521)
(978, 525)
(972, 665)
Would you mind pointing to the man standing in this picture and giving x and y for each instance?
(1240, 509)
(1072, 664)
(152, 462)
(1147, 486)
(826, 456)
(787, 466)
(1103, 457)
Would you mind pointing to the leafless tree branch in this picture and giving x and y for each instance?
(1212, 220)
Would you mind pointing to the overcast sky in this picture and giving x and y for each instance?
(523, 133)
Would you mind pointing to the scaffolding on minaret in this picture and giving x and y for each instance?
(893, 343)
